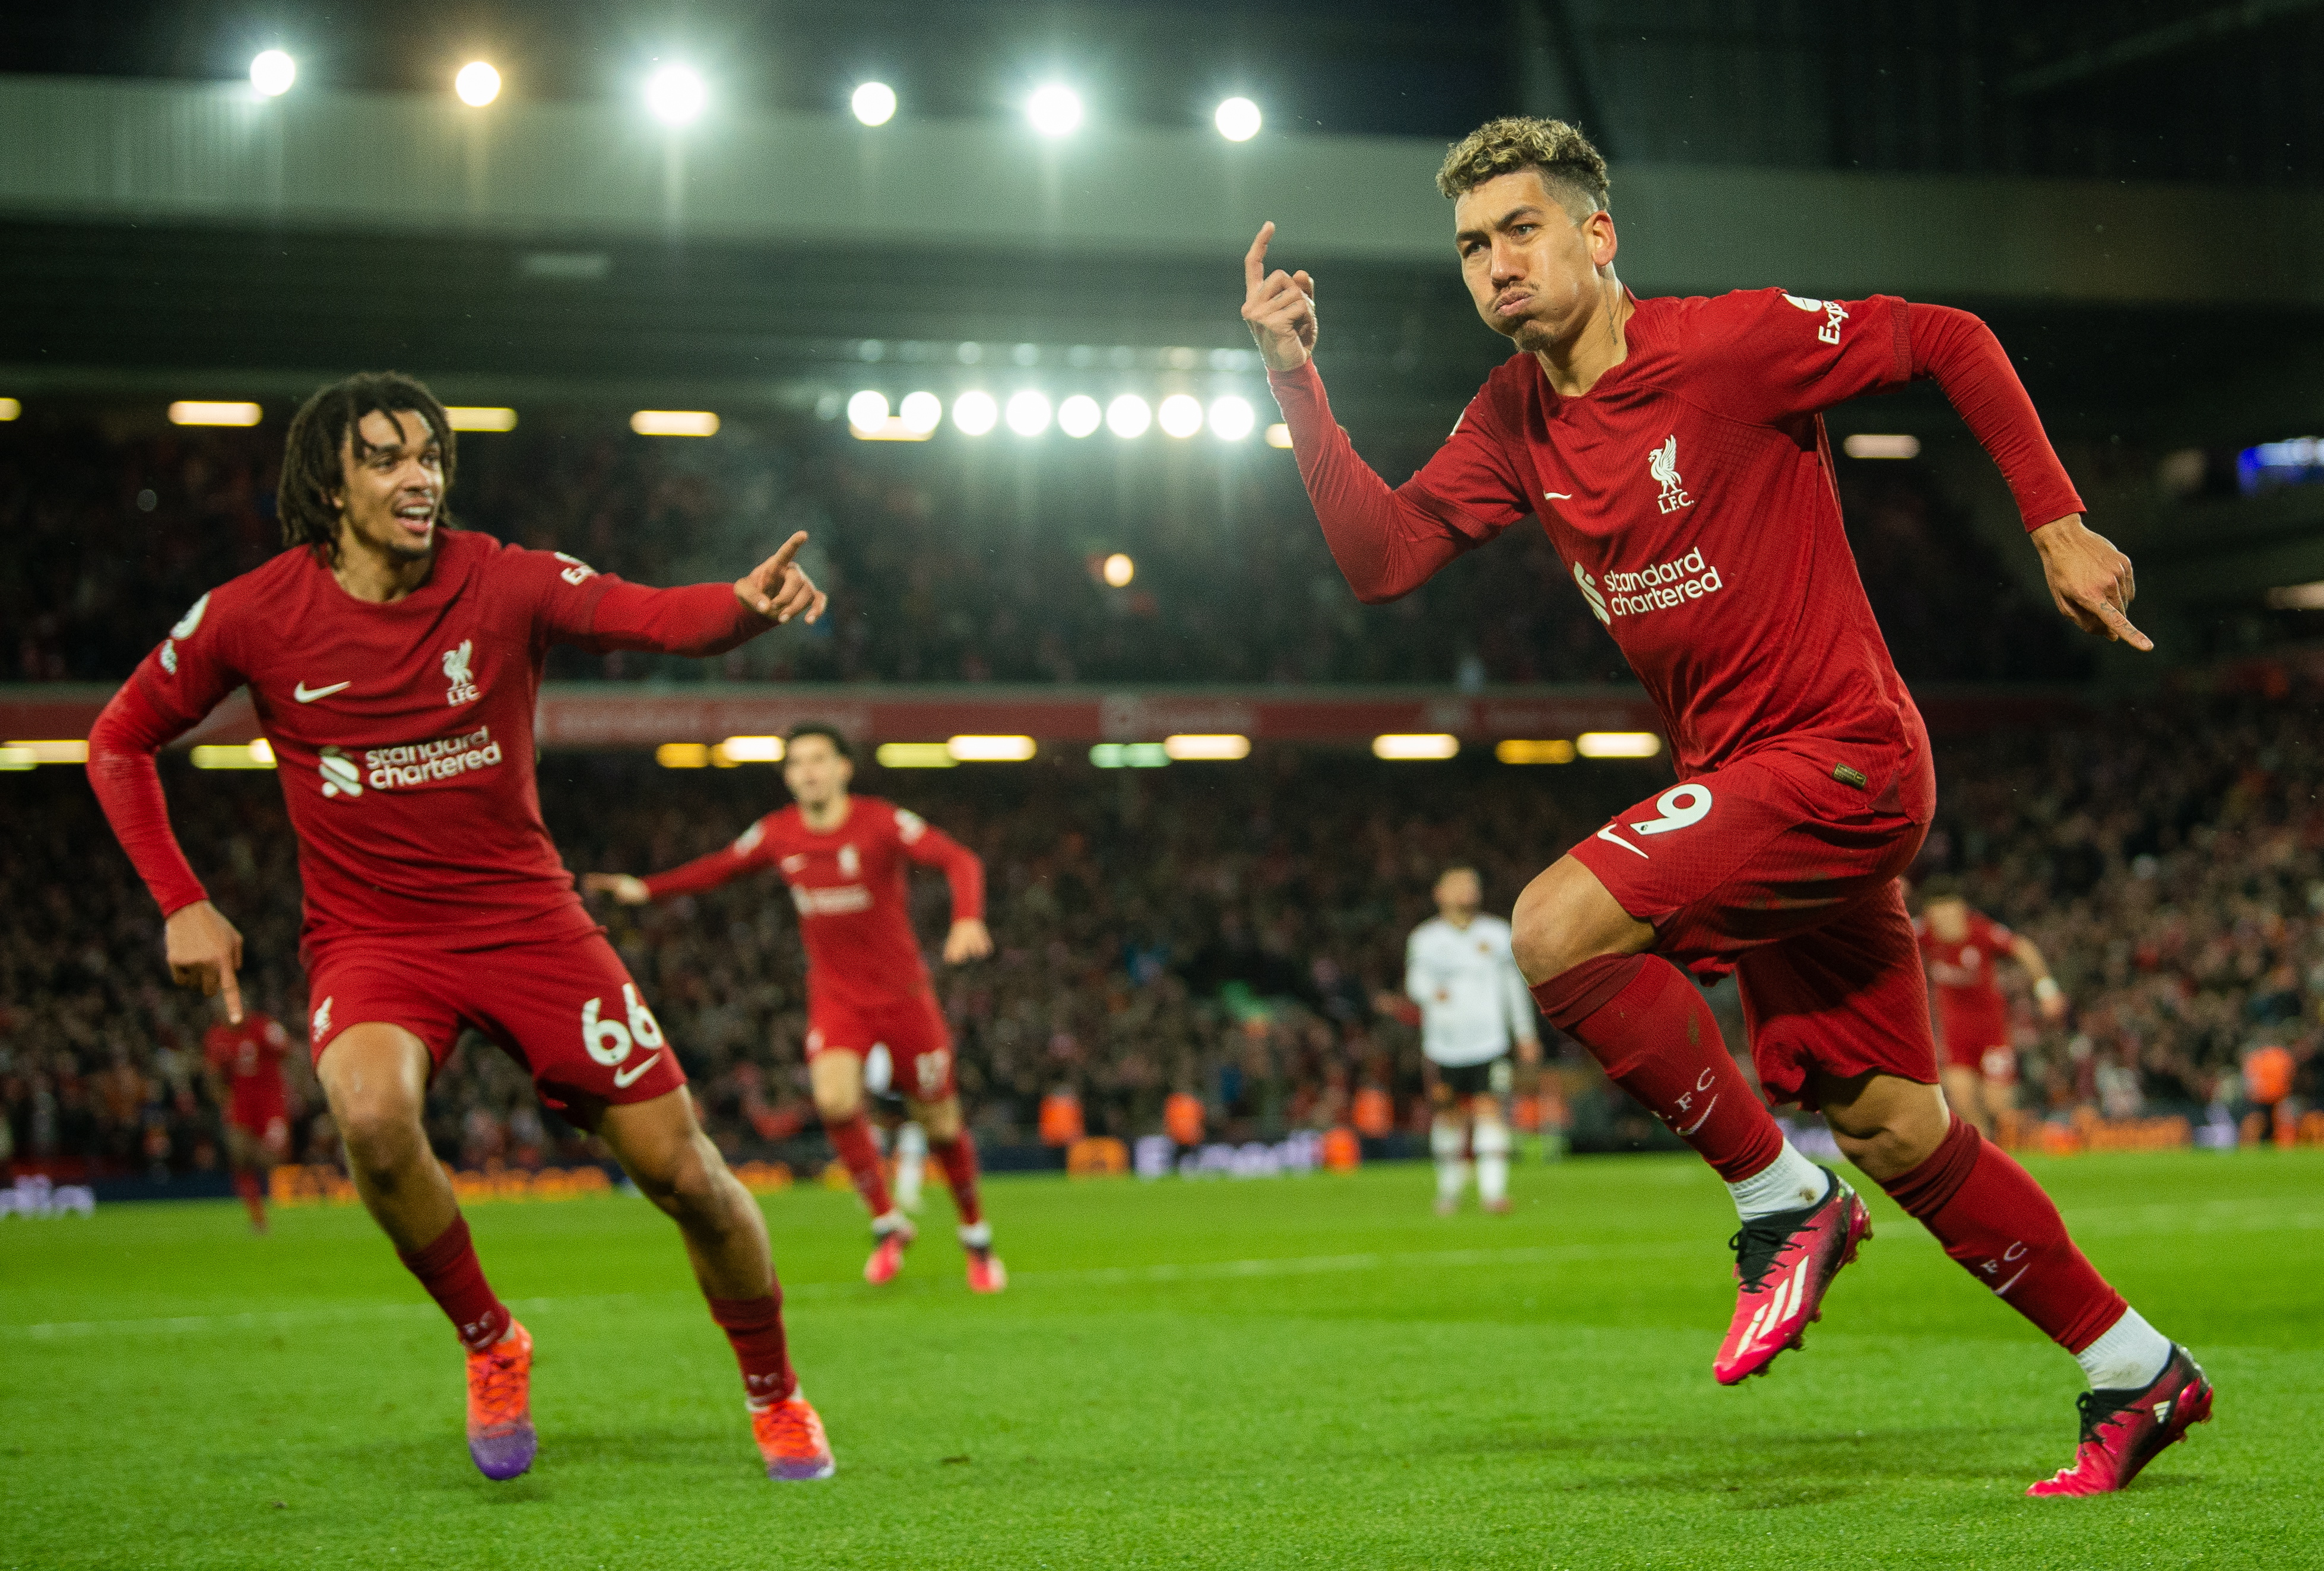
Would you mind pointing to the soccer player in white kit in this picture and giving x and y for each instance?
(1474, 1008)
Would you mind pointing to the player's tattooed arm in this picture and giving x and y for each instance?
(2090, 580)
(778, 588)
(205, 951)
(1279, 307)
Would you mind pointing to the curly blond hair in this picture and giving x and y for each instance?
(1571, 169)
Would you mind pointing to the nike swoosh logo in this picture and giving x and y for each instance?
(1699, 1123)
(1608, 834)
(625, 1079)
(306, 694)
(1557, 495)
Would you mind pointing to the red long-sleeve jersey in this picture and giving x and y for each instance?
(1971, 1012)
(249, 1057)
(1689, 493)
(402, 732)
(852, 887)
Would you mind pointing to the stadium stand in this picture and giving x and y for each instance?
(1214, 929)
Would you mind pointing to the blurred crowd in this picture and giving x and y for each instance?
(1222, 930)
(945, 563)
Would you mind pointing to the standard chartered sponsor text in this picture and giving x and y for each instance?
(1661, 586)
(417, 763)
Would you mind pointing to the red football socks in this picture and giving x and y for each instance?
(1654, 1035)
(755, 1328)
(851, 1140)
(957, 1157)
(254, 1197)
(1993, 1218)
(449, 1271)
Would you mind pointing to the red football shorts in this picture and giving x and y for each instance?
(264, 1118)
(565, 1008)
(910, 1026)
(1972, 1037)
(1779, 869)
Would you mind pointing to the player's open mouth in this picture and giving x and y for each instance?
(418, 519)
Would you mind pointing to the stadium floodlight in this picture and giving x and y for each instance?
(1118, 570)
(477, 84)
(915, 755)
(1415, 745)
(991, 749)
(1129, 756)
(1873, 444)
(1618, 744)
(1233, 419)
(677, 95)
(874, 103)
(1238, 119)
(920, 412)
(1181, 415)
(475, 417)
(10, 408)
(1028, 413)
(1551, 750)
(271, 72)
(683, 756)
(1053, 109)
(868, 410)
(13, 757)
(1278, 434)
(213, 412)
(753, 750)
(674, 423)
(1201, 745)
(1079, 414)
(256, 755)
(2296, 597)
(1129, 416)
(56, 752)
(975, 413)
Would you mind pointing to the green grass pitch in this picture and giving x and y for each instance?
(1288, 1372)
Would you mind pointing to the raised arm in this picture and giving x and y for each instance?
(202, 947)
(2090, 580)
(1387, 542)
(969, 939)
(604, 612)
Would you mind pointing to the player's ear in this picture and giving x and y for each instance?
(1598, 230)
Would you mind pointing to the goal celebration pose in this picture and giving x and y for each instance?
(1473, 1007)
(1674, 451)
(1972, 1017)
(848, 861)
(394, 661)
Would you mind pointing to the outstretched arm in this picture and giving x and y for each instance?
(1387, 542)
(696, 618)
(2047, 995)
(201, 946)
(726, 864)
(2089, 580)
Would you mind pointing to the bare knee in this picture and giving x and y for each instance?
(687, 1181)
(838, 1105)
(1885, 1124)
(1566, 916)
(939, 1120)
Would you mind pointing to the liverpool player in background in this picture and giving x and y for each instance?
(394, 661)
(1674, 452)
(848, 860)
(1474, 1008)
(243, 1058)
(1960, 946)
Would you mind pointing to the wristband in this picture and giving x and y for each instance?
(2045, 989)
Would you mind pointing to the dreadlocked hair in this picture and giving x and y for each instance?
(1573, 171)
(313, 474)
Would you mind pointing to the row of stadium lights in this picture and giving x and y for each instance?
(1191, 747)
(1029, 413)
(677, 95)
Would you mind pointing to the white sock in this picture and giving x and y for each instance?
(1492, 1147)
(1784, 1184)
(2130, 1356)
(1446, 1142)
(976, 1234)
(912, 1163)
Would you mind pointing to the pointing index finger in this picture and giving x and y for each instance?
(1254, 261)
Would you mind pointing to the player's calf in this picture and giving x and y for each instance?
(1448, 1142)
(1492, 1144)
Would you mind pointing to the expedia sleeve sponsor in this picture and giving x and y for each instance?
(426, 762)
